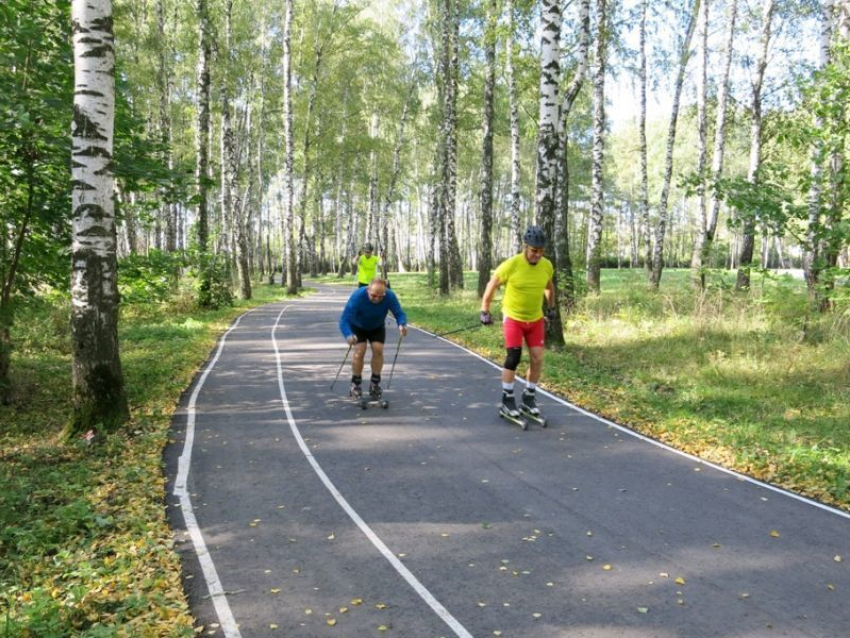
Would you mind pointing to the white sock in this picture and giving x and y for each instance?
(530, 387)
(507, 387)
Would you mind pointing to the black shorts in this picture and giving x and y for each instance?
(360, 284)
(378, 335)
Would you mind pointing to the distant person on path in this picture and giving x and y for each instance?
(366, 266)
(527, 278)
(362, 322)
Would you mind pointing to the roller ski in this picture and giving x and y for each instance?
(374, 397)
(509, 411)
(528, 408)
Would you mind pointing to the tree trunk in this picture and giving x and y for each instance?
(564, 279)
(455, 262)
(594, 234)
(98, 382)
(516, 226)
(684, 56)
(702, 143)
(485, 262)
(748, 239)
(203, 126)
(289, 156)
(646, 227)
(816, 257)
(705, 239)
(548, 135)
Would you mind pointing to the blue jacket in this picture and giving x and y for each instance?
(361, 312)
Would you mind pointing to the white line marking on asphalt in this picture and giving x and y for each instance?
(405, 573)
(216, 591)
(738, 475)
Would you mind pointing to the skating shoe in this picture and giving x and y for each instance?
(509, 404)
(375, 390)
(356, 391)
(529, 403)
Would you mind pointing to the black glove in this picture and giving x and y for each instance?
(551, 313)
(485, 318)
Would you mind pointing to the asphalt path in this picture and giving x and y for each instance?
(300, 515)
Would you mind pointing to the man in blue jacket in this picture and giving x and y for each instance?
(362, 322)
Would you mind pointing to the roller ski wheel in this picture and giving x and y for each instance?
(384, 403)
(515, 419)
(539, 419)
(529, 409)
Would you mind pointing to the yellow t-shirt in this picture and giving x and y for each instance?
(367, 269)
(524, 286)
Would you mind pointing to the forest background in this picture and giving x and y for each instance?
(687, 161)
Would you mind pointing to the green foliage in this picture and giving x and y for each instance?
(150, 278)
(212, 281)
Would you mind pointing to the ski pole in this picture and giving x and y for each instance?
(392, 369)
(350, 346)
(451, 332)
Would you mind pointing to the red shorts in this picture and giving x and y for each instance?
(515, 331)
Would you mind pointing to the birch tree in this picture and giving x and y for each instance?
(705, 236)
(565, 284)
(288, 215)
(594, 233)
(813, 262)
(485, 262)
(642, 147)
(745, 256)
(98, 382)
(516, 230)
(684, 56)
(203, 124)
(702, 132)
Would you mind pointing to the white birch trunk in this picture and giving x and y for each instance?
(547, 136)
(594, 231)
(705, 240)
(516, 230)
(745, 256)
(684, 56)
(486, 192)
(646, 227)
(289, 156)
(98, 382)
(702, 143)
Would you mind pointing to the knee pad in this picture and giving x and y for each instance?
(512, 360)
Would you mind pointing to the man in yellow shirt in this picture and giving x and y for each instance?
(527, 278)
(366, 266)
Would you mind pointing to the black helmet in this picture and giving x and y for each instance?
(534, 237)
(367, 247)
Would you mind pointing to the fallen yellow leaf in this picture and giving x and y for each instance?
(380, 606)
(275, 590)
(357, 601)
(837, 559)
(331, 622)
(680, 581)
(343, 610)
(272, 626)
(774, 533)
(607, 568)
